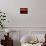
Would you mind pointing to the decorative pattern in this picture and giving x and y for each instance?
(2, 19)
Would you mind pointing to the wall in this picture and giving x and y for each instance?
(36, 16)
(35, 20)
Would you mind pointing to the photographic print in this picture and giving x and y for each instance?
(23, 10)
